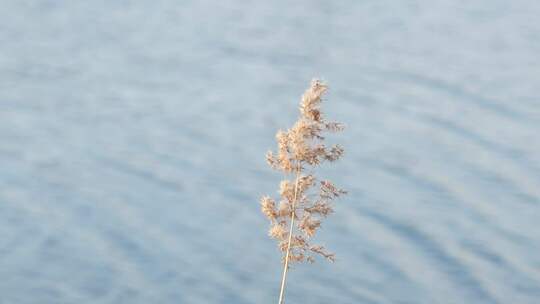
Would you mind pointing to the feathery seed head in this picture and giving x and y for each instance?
(298, 149)
(268, 207)
(278, 232)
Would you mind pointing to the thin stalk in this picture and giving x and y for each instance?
(286, 266)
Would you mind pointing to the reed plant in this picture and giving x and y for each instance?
(304, 199)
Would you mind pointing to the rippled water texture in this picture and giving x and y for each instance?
(133, 133)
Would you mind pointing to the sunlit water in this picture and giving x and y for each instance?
(132, 141)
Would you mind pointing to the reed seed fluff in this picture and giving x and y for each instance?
(304, 201)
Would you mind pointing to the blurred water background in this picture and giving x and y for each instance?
(133, 134)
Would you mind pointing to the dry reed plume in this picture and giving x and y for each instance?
(304, 200)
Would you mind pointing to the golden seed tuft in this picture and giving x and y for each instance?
(302, 205)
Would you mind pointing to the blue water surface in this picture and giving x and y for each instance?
(133, 134)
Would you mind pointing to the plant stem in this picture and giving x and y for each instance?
(286, 266)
